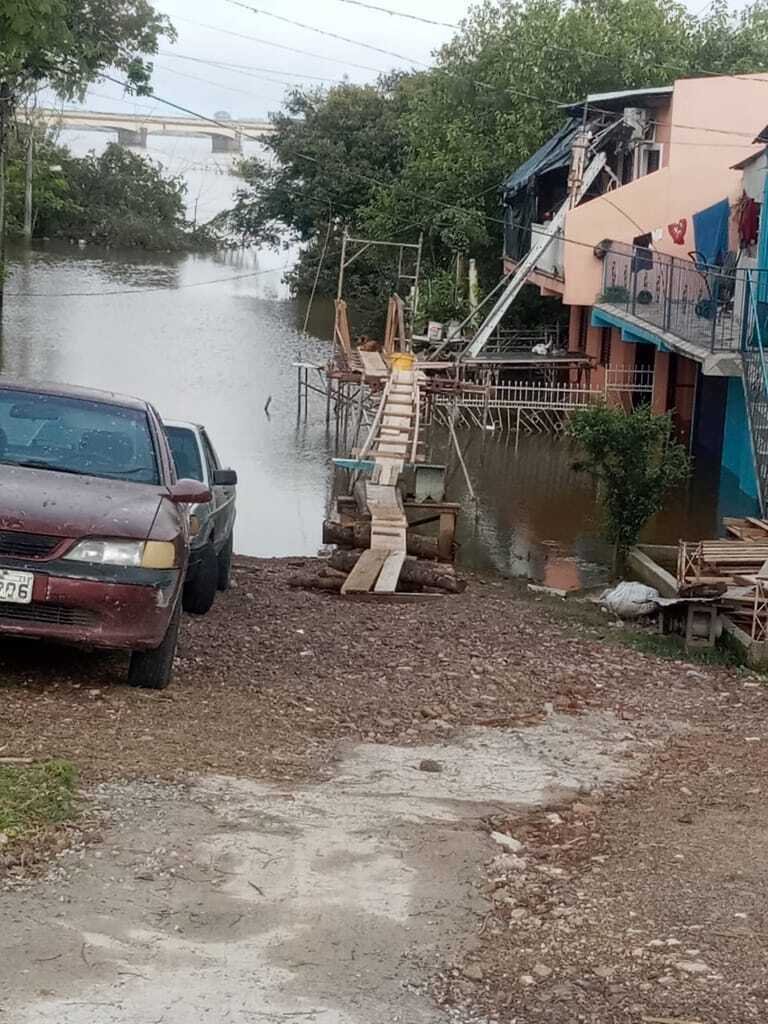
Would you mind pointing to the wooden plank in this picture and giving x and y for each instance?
(373, 362)
(396, 421)
(393, 449)
(759, 523)
(399, 596)
(366, 571)
(390, 573)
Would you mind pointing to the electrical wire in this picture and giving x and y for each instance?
(243, 69)
(324, 32)
(221, 85)
(305, 156)
(399, 14)
(146, 291)
(435, 68)
(282, 46)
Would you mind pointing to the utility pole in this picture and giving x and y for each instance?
(28, 184)
(474, 291)
(4, 120)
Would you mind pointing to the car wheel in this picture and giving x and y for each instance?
(152, 670)
(199, 592)
(225, 565)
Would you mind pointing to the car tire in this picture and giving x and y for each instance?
(200, 592)
(225, 565)
(152, 670)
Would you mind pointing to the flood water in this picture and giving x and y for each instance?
(212, 338)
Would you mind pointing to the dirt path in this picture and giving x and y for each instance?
(232, 900)
(271, 849)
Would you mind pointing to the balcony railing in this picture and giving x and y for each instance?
(701, 304)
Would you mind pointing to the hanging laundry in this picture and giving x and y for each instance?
(749, 221)
(643, 256)
(677, 231)
(710, 228)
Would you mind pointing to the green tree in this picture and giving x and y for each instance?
(427, 151)
(51, 185)
(497, 90)
(331, 151)
(634, 461)
(66, 44)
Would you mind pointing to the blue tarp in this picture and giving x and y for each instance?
(710, 230)
(556, 152)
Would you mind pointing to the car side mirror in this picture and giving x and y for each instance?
(189, 492)
(224, 477)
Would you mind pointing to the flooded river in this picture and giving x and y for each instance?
(211, 338)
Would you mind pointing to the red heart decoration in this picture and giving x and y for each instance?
(677, 231)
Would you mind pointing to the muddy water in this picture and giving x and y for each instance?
(212, 338)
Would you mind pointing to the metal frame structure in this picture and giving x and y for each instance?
(358, 246)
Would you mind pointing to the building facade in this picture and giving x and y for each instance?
(659, 261)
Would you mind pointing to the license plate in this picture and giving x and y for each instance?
(16, 587)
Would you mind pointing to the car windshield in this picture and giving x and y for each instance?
(74, 435)
(186, 453)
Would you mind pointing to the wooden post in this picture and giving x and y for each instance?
(28, 185)
(446, 536)
(342, 264)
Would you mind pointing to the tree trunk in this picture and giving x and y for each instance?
(359, 536)
(307, 582)
(420, 574)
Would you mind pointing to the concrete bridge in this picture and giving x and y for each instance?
(132, 129)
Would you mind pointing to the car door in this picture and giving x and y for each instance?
(223, 496)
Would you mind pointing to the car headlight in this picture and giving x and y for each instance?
(151, 554)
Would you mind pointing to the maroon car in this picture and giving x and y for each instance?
(93, 541)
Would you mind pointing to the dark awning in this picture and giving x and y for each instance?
(556, 152)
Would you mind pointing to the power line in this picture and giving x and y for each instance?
(466, 211)
(324, 32)
(399, 14)
(220, 85)
(281, 46)
(243, 69)
(145, 291)
(400, 56)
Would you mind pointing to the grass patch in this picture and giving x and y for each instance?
(35, 796)
(673, 647)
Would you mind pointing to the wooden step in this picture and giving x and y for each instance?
(363, 577)
(390, 573)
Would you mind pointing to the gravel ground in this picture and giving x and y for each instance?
(642, 904)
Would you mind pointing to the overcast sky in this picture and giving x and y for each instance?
(215, 30)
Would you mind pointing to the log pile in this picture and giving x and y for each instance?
(416, 576)
(736, 568)
(358, 535)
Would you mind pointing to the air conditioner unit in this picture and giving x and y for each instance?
(636, 118)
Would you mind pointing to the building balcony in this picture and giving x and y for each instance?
(694, 309)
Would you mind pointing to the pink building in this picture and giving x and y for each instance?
(653, 261)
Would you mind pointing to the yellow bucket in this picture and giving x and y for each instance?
(403, 361)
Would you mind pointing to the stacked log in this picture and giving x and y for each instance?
(416, 574)
(359, 536)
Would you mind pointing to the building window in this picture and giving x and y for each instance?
(605, 347)
(649, 158)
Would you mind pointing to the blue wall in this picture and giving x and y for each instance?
(737, 447)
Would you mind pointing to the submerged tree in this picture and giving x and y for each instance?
(635, 462)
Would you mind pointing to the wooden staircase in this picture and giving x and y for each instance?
(392, 441)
